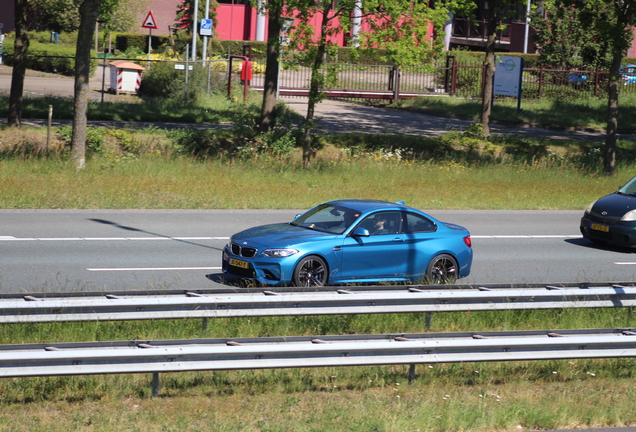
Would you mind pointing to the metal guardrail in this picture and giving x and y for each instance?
(119, 357)
(267, 353)
(329, 301)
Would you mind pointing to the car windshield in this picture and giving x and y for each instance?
(327, 218)
(629, 188)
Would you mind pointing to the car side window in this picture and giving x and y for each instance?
(416, 223)
(382, 223)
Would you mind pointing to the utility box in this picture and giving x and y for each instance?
(125, 77)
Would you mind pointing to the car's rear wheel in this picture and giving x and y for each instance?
(442, 270)
(311, 271)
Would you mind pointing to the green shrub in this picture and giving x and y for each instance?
(94, 137)
(48, 57)
(126, 41)
(164, 81)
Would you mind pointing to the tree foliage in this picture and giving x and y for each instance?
(601, 33)
(565, 37)
(404, 29)
(63, 15)
(185, 13)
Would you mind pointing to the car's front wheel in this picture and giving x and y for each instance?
(311, 271)
(442, 270)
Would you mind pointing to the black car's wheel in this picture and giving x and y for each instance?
(311, 271)
(442, 270)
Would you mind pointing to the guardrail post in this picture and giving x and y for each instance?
(411, 373)
(204, 324)
(428, 320)
(155, 384)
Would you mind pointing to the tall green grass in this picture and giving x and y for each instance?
(280, 184)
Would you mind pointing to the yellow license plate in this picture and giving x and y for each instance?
(239, 263)
(599, 227)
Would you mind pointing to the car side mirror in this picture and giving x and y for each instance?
(360, 232)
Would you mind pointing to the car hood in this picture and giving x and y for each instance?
(279, 235)
(614, 205)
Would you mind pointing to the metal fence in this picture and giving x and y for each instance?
(465, 79)
(452, 78)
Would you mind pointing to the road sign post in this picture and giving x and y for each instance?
(150, 23)
(205, 30)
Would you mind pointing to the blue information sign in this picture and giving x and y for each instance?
(206, 27)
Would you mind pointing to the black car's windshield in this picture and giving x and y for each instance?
(327, 218)
(629, 188)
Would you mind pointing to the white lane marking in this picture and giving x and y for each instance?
(625, 263)
(524, 236)
(11, 238)
(152, 268)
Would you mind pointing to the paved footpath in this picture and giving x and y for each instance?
(345, 117)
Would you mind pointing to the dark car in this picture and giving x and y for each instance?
(351, 241)
(612, 219)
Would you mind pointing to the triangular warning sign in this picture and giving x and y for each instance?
(150, 22)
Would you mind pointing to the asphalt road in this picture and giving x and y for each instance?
(70, 250)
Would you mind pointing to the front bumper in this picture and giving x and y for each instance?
(265, 272)
(620, 233)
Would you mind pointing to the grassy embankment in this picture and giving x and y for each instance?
(153, 169)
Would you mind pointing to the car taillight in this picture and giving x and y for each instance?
(468, 241)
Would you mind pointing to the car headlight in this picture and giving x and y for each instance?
(630, 216)
(279, 253)
(588, 210)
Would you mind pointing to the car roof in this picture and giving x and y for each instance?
(365, 205)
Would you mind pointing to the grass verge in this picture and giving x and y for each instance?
(590, 112)
(493, 396)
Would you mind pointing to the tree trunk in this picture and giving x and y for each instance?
(486, 99)
(21, 46)
(609, 152)
(268, 109)
(89, 10)
(317, 80)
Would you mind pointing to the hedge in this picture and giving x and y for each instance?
(47, 57)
